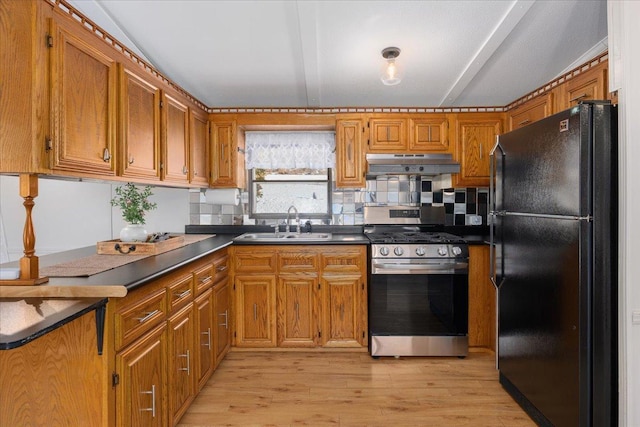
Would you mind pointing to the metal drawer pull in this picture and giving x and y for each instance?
(524, 122)
(187, 355)
(184, 170)
(226, 321)
(147, 316)
(182, 294)
(208, 334)
(575, 98)
(221, 268)
(153, 401)
(205, 279)
(131, 160)
(106, 155)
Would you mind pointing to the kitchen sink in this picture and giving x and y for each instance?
(283, 237)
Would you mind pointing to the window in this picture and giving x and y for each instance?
(273, 191)
(290, 169)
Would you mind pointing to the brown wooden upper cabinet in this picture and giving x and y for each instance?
(175, 117)
(475, 136)
(227, 155)
(531, 111)
(199, 146)
(349, 154)
(139, 126)
(588, 85)
(83, 104)
(387, 135)
(429, 134)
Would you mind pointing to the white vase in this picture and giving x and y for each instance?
(133, 233)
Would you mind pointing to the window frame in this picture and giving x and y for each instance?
(283, 215)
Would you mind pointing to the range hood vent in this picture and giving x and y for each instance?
(411, 164)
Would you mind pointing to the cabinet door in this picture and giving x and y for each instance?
(222, 306)
(531, 111)
(182, 371)
(199, 168)
(142, 373)
(205, 329)
(176, 141)
(387, 135)
(139, 134)
(590, 85)
(482, 300)
(340, 311)
(475, 139)
(83, 105)
(256, 310)
(297, 311)
(222, 157)
(349, 154)
(429, 135)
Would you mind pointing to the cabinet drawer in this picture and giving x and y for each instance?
(203, 277)
(342, 262)
(133, 321)
(260, 260)
(220, 268)
(297, 261)
(180, 291)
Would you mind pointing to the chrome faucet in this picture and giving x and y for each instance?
(288, 228)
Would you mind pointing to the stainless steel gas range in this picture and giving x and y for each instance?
(418, 286)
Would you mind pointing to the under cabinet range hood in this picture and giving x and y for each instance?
(411, 164)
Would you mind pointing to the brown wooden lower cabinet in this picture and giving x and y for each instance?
(300, 296)
(482, 299)
(155, 356)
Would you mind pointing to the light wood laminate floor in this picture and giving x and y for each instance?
(352, 389)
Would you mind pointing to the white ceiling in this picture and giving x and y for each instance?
(327, 53)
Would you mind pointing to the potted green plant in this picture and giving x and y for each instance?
(133, 203)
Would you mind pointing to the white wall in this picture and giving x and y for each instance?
(624, 31)
(71, 214)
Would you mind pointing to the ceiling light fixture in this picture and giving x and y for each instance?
(390, 72)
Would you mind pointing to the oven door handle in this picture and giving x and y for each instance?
(447, 268)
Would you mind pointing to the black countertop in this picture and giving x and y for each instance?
(131, 276)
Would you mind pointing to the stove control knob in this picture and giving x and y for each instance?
(420, 251)
(456, 250)
(398, 251)
(384, 251)
(442, 250)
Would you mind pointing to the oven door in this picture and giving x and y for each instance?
(424, 298)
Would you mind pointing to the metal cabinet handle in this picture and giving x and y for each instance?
(208, 334)
(205, 279)
(223, 267)
(226, 317)
(185, 170)
(131, 159)
(147, 316)
(187, 355)
(152, 392)
(182, 294)
(524, 122)
(575, 98)
(255, 311)
(106, 155)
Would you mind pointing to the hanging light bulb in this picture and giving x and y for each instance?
(391, 74)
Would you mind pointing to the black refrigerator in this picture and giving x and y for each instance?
(554, 263)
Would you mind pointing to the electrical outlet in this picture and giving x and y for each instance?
(635, 317)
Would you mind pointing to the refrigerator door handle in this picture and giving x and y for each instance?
(547, 216)
(493, 212)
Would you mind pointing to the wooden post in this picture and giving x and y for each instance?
(29, 265)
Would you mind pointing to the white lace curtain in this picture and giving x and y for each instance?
(290, 150)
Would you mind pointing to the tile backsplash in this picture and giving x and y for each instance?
(463, 206)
